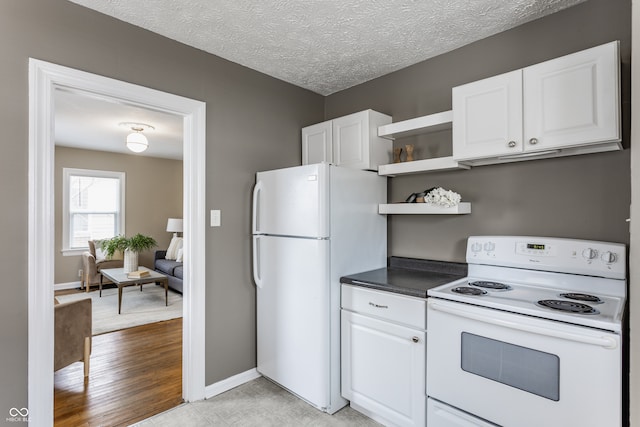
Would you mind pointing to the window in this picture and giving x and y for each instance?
(93, 207)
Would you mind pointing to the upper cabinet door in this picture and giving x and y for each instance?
(487, 117)
(573, 100)
(350, 141)
(317, 143)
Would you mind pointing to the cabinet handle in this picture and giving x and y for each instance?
(533, 141)
(512, 144)
(372, 304)
(415, 339)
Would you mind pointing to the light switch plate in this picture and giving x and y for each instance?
(215, 217)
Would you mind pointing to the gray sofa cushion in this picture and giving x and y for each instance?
(168, 266)
(172, 269)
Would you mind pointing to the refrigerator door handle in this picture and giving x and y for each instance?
(256, 207)
(256, 261)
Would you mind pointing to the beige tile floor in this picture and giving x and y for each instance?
(256, 403)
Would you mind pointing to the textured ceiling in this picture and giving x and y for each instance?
(327, 45)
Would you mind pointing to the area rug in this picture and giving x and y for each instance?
(138, 308)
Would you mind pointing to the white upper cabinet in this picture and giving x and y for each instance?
(565, 103)
(350, 141)
(487, 117)
(317, 144)
(573, 100)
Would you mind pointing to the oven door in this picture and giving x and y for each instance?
(516, 370)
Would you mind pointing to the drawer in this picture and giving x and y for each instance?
(398, 308)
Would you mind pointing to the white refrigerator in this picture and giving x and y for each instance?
(312, 224)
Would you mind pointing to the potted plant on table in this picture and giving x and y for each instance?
(131, 247)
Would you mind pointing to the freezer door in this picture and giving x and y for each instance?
(293, 314)
(292, 202)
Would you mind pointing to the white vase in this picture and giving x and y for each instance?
(130, 261)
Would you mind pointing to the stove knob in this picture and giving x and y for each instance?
(489, 246)
(608, 257)
(589, 253)
(476, 247)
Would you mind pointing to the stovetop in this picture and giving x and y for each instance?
(536, 276)
(523, 299)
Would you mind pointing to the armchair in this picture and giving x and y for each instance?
(92, 264)
(72, 337)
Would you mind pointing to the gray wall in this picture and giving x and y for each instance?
(584, 197)
(253, 123)
(153, 193)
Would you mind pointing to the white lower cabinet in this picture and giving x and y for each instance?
(383, 362)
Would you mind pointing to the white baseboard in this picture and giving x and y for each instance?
(231, 382)
(68, 285)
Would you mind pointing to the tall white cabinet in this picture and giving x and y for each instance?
(350, 141)
(383, 339)
(567, 102)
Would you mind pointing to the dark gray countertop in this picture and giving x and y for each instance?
(408, 276)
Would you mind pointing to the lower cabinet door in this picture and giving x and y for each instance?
(383, 368)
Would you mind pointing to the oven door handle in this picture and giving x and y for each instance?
(603, 341)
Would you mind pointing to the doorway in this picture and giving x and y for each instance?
(44, 79)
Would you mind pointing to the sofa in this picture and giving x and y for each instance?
(171, 268)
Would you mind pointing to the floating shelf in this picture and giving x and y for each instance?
(424, 209)
(420, 166)
(431, 123)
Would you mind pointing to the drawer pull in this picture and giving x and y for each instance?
(415, 339)
(372, 304)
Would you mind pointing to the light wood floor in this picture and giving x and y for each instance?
(134, 374)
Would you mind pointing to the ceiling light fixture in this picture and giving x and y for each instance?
(136, 141)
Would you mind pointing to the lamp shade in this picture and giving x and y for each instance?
(174, 225)
(137, 142)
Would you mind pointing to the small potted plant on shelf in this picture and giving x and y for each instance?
(131, 247)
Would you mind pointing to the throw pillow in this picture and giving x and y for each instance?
(172, 252)
(100, 254)
(179, 256)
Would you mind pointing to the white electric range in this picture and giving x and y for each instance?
(531, 337)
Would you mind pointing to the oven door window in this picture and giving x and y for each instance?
(520, 367)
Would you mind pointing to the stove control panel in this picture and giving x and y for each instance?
(535, 248)
(574, 256)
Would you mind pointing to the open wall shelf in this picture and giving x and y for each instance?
(424, 209)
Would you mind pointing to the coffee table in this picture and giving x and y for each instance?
(121, 279)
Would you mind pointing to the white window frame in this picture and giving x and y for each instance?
(66, 175)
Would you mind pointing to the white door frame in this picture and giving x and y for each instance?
(44, 79)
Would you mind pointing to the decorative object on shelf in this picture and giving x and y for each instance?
(418, 197)
(409, 150)
(131, 247)
(396, 155)
(442, 198)
(136, 141)
(436, 196)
